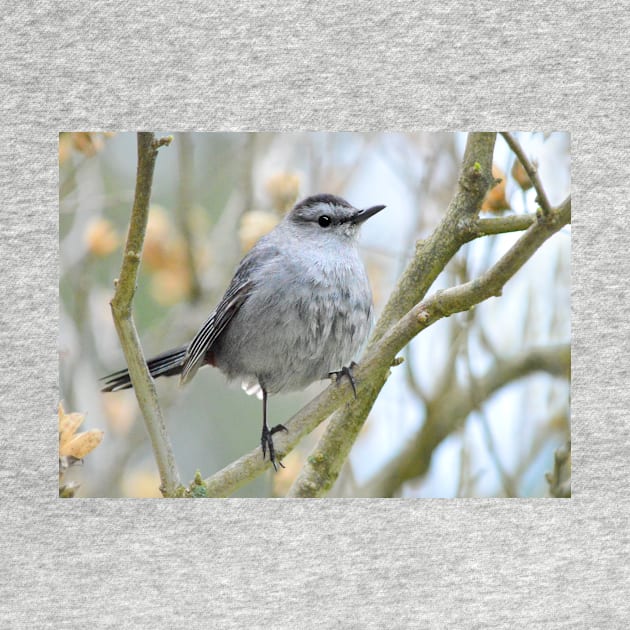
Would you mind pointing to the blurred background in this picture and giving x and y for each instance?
(477, 408)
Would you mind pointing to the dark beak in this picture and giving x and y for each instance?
(364, 215)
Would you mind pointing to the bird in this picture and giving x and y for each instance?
(298, 310)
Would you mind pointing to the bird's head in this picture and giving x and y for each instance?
(328, 216)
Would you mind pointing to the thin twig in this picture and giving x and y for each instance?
(184, 206)
(444, 381)
(530, 169)
(560, 479)
(546, 431)
(411, 377)
(464, 471)
(507, 481)
(502, 225)
(143, 385)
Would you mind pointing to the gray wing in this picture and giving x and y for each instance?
(239, 290)
(234, 297)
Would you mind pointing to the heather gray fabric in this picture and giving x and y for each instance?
(347, 563)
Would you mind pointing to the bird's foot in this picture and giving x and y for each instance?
(346, 371)
(266, 442)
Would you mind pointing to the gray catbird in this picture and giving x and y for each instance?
(298, 309)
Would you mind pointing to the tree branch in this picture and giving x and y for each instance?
(530, 169)
(249, 466)
(322, 467)
(448, 411)
(456, 228)
(489, 284)
(502, 225)
(143, 386)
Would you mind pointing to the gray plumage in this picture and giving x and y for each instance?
(298, 308)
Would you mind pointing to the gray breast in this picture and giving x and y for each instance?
(299, 325)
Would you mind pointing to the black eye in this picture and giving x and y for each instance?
(324, 220)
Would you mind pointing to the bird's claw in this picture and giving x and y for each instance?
(266, 442)
(346, 371)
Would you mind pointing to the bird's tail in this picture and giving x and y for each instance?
(168, 363)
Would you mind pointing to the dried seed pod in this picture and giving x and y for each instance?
(82, 444)
(495, 200)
